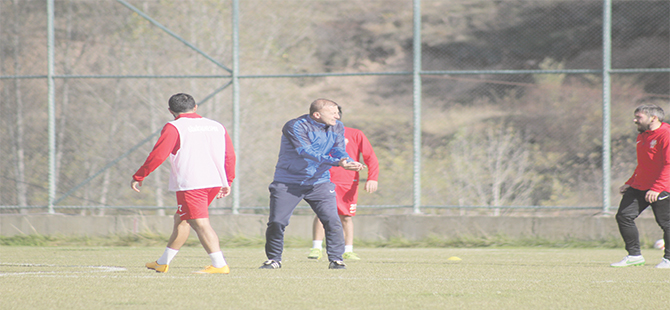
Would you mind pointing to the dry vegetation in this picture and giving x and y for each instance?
(487, 139)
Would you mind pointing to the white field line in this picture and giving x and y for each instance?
(163, 276)
(96, 272)
(91, 269)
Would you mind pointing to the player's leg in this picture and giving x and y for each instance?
(180, 232)
(348, 229)
(196, 213)
(661, 210)
(282, 203)
(322, 200)
(632, 204)
(347, 195)
(206, 234)
(316, 252)
(210, 242)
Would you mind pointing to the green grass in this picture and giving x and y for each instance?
(152, 239)
(79, 277)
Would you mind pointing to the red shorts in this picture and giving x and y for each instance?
(347, 198)
(194, 204)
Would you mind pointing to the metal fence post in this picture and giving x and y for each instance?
(416, 75)
(236, 100)
(51, 110)
(607, 66)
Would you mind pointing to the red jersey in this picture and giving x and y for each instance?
(169, 143)
(653, 160)
(357, 144)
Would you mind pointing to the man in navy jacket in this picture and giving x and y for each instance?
(310, 145)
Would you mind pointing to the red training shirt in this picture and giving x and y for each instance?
(653, 160)
(357, 144)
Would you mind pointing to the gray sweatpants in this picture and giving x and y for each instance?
(283, 200)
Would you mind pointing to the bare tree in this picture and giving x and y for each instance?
(113, 130)
(494, 166)
(155, 120)
(155, 125)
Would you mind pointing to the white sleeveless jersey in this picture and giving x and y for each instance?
(200, 160)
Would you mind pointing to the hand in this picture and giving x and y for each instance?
(225, 191)
(623, 188)
(135, 185)
(370, 186)
(651, 196)
(351, 165)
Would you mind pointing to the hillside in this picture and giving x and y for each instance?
(528, 139)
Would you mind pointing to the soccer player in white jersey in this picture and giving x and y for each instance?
(203, 168)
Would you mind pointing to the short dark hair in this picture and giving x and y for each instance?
(651, 110)
(181, 102)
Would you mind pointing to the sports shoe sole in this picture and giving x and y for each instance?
(350, 256)
(270, 264)
(212, 270)
(315, 255)
(630, 265)
(157, 267)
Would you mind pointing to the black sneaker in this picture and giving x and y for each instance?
(270, 264)
(337, 264)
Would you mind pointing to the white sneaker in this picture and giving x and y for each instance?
(665, 263)
(629, 260)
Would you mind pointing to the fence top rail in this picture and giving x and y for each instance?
(335, 74)
(8, 207)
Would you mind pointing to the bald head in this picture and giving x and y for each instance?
(324, 111)
(318, 105)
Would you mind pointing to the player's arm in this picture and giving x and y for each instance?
(630, 181)
(664, 176)
(166, 144)
(350, 165)
(298, 136)
(229, 166)
(339, 150)
(230, 160)
(225, 191)
(624, 188)
(370, 159)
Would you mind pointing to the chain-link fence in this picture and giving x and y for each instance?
(510, 99)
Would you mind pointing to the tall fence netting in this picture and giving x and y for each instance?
(493, 135)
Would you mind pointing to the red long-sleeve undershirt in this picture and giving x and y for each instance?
(357, 145)
(653, 160)
(168, 143)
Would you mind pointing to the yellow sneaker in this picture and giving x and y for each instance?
(350, 255)
(158, 267)
(315, 253)
(211, 269)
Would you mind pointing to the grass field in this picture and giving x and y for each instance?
(85, 277)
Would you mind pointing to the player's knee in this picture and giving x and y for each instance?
(332, 224)
(275, 227)
(622, 218)
(665, 225)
